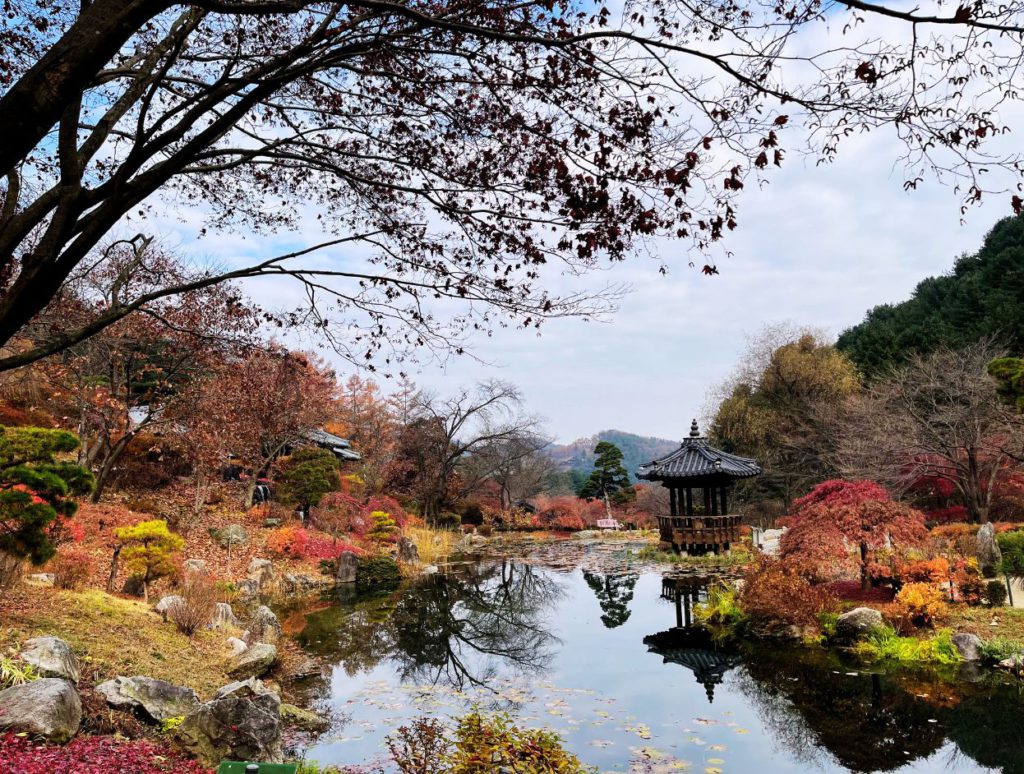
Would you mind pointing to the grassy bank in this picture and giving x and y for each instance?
(114, 636)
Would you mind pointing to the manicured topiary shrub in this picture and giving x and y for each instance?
(377, 573)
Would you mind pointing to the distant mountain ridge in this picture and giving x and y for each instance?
(636, 450)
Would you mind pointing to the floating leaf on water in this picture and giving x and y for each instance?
(742, 731)
(717, 747)
(716, 761)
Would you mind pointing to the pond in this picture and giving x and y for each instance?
(599, 656)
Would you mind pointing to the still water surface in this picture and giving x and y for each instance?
(598, 656)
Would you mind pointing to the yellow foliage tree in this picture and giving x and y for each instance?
(149, 551)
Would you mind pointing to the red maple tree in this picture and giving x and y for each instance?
(843, 521)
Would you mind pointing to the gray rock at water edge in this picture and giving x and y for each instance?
(237, 726)
(232, 535)
(51, 657)
(857, 623)
(163, 607)
(968, 646)
(255, 661)
(302, 584)
(407, 551)
(1014, 663)
(348, 564)
(195, 566)
(48, 707)
(40, 579)
(237, 646)
(261, 571)
(431, 569)
(989, 555)
(155, 700)
(241, 688)
(224, 617)
(302, 719)
(264, 626)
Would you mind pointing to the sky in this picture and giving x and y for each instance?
(816, 246)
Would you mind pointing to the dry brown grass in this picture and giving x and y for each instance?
(434, 545)
(114, 636)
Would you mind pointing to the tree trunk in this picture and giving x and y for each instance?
(865, 579)
(112, 578)
(107, 467)
(607, 506)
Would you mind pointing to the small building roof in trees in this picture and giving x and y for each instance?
(341, 447)
(696, 458)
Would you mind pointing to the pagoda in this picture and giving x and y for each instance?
(695, 528)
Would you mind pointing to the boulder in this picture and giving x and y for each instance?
(254, 661)
(48, 707)
(989, 555)
(39, 579)
(407, 551)
(241, 688)
(153, 699)
(241, 726)
(163, 607)
(248, 588)
(264, 626)
(224, 617)
(348, 564)
(1013, 663)
(302, 719)
(431, 569)
(232, 535)
(237, 646)
(968, 646)
(261, 571)
(51, 657)
(195, 566)
(857, 623)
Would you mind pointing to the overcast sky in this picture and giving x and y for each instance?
(818, 246)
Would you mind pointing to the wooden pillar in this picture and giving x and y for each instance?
(679, 609)
(686, 608)
(707, 500)
(673, 505)
(725, 509)
(689, 501)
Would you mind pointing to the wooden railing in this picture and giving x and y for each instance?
(705, 530)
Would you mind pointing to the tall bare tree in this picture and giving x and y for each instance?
(940, 417)
(469, 149)
(446, 432)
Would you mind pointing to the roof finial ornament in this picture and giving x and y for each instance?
(694, 430)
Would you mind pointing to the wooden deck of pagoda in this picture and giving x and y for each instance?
(696, 535)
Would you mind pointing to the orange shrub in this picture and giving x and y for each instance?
(775, 595)
(298, 543)
(921, 603)
(925, 571)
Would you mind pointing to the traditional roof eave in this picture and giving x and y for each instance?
(696, 460)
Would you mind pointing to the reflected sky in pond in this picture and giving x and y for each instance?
(567, 650)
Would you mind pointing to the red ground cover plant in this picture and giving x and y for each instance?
(92, 755)
(840, 524)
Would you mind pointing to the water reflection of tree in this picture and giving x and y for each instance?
(867, 722)
(460, 630)
(986, 726)
(614, 592)
(465, 630)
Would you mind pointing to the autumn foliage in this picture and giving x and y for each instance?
(298, 543)
(775, 594)
(840, 524)
(88, 754)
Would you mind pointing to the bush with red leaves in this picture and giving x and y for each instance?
(92, 755)
(299, 543)
(840, 524)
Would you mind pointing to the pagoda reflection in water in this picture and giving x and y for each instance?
(687, 645)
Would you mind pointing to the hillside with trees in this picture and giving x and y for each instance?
(636, 450)
(982, 296)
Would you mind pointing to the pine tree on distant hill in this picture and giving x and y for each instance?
(982, 296)
(609, 479)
